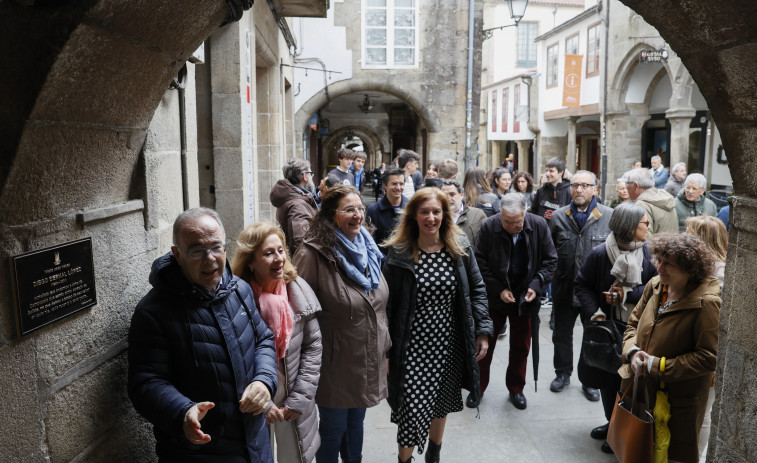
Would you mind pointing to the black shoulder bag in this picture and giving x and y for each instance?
(603, 343)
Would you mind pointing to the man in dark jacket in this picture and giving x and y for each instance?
(576, 229)
(384, 214)
(293, 199)
(517, 259)
(555, 193)
(202, 365)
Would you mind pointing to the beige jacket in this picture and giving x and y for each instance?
(303, 365)
(354, 329)
(661, 210)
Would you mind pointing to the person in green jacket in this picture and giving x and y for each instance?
(692, 201)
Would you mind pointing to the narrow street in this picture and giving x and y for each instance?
(554, 428)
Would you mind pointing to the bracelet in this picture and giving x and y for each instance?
(662, 363)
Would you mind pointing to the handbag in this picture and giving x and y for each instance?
(602, 344)
(631, 431)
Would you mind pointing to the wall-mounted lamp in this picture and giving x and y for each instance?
(517, 11)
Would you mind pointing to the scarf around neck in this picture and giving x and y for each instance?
(274, 308)
(582, 217)
(360, 259)
(626, 259)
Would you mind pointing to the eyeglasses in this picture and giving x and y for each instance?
(645, 222)
(353, 210)
(199, 253)
(584, 186)
(309, 172)
(691, 188)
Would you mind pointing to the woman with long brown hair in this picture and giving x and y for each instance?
(478, 193)
(438, 322)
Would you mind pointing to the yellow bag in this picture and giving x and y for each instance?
(661, 418)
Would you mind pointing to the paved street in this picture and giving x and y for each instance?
(554, 428)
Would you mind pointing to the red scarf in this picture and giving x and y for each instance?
(274, 308)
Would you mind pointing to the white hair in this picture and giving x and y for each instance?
(678, 167)
(697, 178)
(640, 176)
(656, 158)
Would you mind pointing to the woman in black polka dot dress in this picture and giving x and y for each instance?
(438, 321)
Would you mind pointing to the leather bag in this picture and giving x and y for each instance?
(631, 432)
(602, 344)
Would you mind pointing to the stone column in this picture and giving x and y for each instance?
(233, 125)
(679, 119)
(570, 155)
(522, 161)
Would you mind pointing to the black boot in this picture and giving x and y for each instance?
(432, 452)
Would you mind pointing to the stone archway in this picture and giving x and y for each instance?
(716, 43)
(429, 119)
(372, 142)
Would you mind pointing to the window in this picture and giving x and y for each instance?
(527, 32)
(516, 103)
(552, 61)
(571, 44)
(390, 33)
(505, 96)
(494, 110)
(592, 51)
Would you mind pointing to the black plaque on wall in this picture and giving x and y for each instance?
(52, 283)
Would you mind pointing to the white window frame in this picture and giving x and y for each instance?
(553, 65)
(390, 30)
(530, 47)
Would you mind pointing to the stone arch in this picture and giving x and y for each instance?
(358, 85)
(624, 73)
(367, 135)
(83, 91)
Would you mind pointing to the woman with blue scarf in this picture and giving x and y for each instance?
(341, 262)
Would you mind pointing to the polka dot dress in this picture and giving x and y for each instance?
(433, 370)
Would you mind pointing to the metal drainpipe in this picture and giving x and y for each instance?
(180, 83)
(469, 90)
(603, 126)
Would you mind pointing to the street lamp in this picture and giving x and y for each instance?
(517, 10)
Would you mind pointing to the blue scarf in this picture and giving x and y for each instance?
(360, 255)
(582, 217)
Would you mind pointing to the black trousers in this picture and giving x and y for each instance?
(562, 336)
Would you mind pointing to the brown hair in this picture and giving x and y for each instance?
(529, 180)
(474, 184)
(249, 241)
(712, 231)
(323, 228)
(687, 252)
(405, 235)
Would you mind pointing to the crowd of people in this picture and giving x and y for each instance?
(276, 353)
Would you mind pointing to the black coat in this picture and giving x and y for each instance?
(549, 198)
(382, 218)
(188, 346)
(493, 250)
(592, 280)
(469, 302)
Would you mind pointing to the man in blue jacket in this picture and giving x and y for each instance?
(202, 365)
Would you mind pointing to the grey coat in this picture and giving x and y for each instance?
(573, 245)
(303, 366)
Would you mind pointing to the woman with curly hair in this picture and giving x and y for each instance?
(478, 193)
(342, 263)
(712, 231)
(523, 183)
(289, 307)
(438, 322)
(672, 337)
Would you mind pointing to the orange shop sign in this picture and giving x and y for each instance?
(571, 93)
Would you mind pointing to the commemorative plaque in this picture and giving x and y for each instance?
(52, 283)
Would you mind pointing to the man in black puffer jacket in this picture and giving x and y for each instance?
(202, 364)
